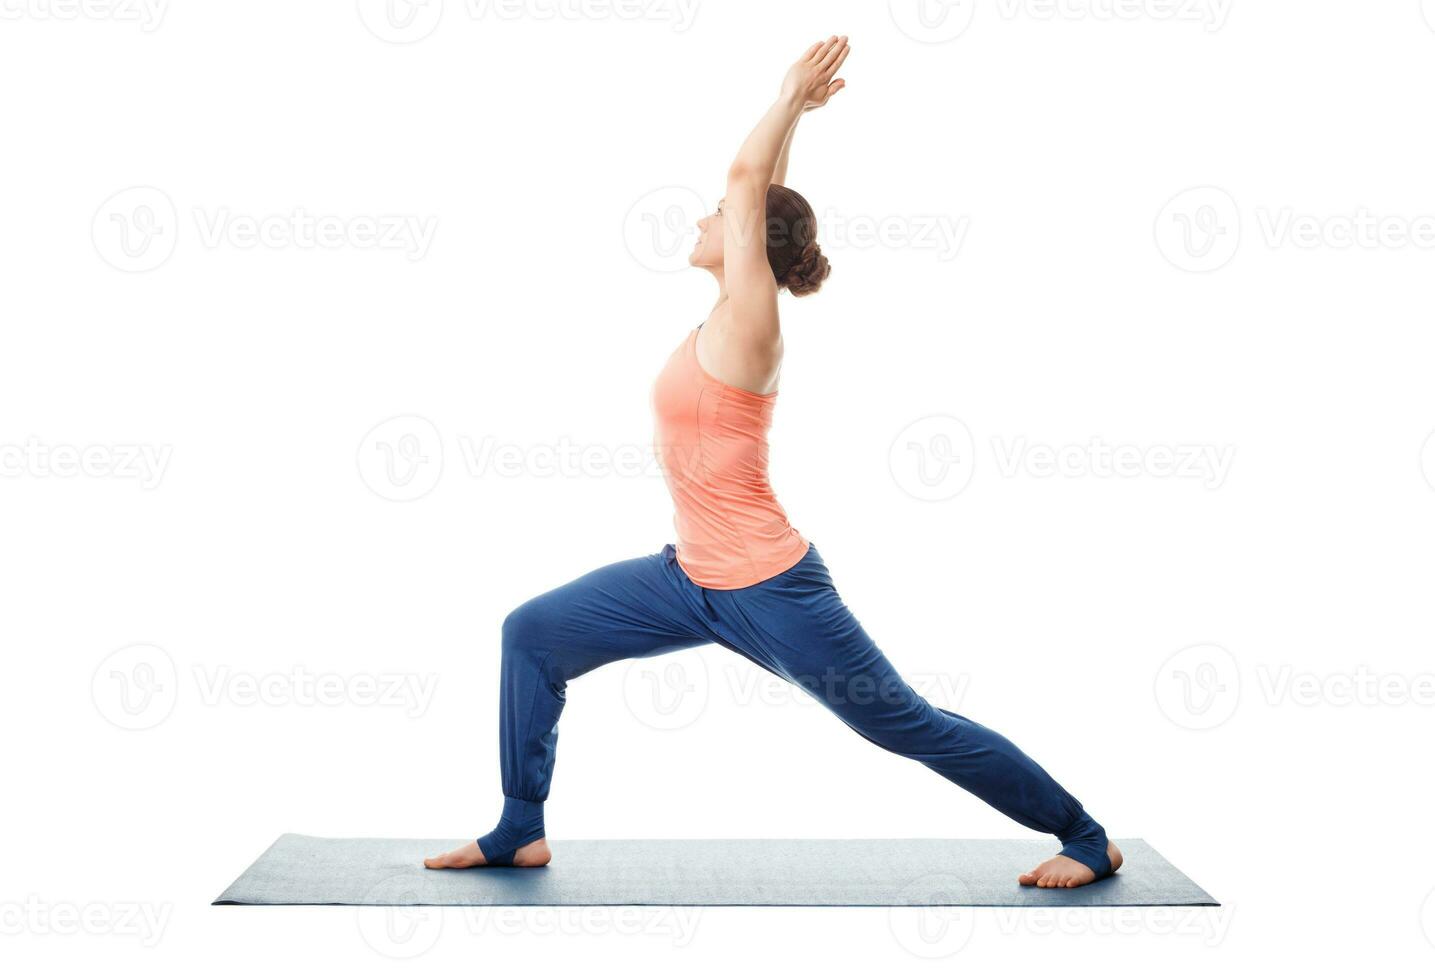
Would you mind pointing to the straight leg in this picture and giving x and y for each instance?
(797, 625)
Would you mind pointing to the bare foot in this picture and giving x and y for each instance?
(534, 855)
(1065, 872)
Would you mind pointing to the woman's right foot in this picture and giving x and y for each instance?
(470, 855)
(1065, 872)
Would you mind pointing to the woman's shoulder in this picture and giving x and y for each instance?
(740, 357)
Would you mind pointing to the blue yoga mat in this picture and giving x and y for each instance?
(299, 870)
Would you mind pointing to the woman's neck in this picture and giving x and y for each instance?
(722, 286)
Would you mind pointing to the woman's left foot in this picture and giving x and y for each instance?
(534, 855)
(1065, 872)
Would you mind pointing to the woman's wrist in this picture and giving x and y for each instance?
(792, 105)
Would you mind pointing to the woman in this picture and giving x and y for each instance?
(741, 576)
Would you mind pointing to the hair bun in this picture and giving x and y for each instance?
(806, 274)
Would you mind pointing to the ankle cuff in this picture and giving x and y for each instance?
(520, 824)
(1085, 841)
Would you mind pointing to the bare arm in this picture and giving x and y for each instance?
(751, 288)
(779, 174)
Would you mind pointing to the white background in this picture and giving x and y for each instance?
(1282, 762)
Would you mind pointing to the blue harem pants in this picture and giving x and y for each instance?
(794, 625)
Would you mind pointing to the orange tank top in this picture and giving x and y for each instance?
(711, 440)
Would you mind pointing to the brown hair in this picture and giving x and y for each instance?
(792, 250)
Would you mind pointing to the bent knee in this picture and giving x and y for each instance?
(526, 625)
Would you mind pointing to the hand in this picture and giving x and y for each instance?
(810, 79)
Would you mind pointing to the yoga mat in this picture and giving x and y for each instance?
(299, 870)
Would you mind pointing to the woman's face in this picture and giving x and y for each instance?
(707, 253)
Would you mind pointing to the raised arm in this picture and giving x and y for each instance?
(779, 173)
(751, 288)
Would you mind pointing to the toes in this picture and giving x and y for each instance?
(449, 859)
(1059, 872)
(1055, 873)
(464, 857)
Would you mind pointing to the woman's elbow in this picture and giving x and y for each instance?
(744, 172)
